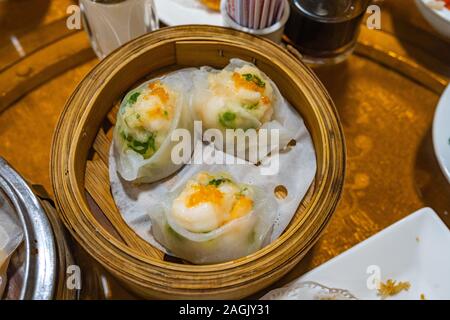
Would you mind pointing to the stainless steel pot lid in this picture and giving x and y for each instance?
(39, 270)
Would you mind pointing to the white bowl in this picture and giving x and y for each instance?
(441, 133)
(179, 12)
(439, 19)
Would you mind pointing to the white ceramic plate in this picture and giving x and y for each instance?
(441, 133)
(439, 19)
(181, 12)
(415, 249)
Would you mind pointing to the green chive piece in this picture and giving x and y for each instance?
(227, 119)
(133, 98)
(254, 78)
(218, 181)
(251, 106)
(146, 148)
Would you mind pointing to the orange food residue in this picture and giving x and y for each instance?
(212, 4)
(392, 287)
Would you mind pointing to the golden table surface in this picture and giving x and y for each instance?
(386, 94)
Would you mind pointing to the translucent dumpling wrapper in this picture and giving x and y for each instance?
(147, 117)
(11, 236)
(242, 97)
(137, 203)
(212, 219)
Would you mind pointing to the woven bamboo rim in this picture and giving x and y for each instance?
(79, 163)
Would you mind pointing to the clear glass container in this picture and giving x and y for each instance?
(111, 23)
(325, 31)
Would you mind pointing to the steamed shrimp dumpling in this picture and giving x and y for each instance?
(212, 218)
(210, 201)
(148, 115)
(242, 98)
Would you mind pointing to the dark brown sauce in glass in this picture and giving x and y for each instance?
(325, 28)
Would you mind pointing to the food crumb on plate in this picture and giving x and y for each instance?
(438, 4)
(392, 287)
(422, 297)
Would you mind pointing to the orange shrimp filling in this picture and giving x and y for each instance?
(154, 85)
(204, 194)
(159, 91)
(240, 82)
(265, 100)
(241, 207)
(161, 94)
(157, 112)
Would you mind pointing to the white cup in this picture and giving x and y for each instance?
(274, 32)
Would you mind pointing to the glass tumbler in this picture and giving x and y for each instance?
(325, 31)
(111, 23)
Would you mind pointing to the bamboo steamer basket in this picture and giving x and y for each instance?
(79, 164)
